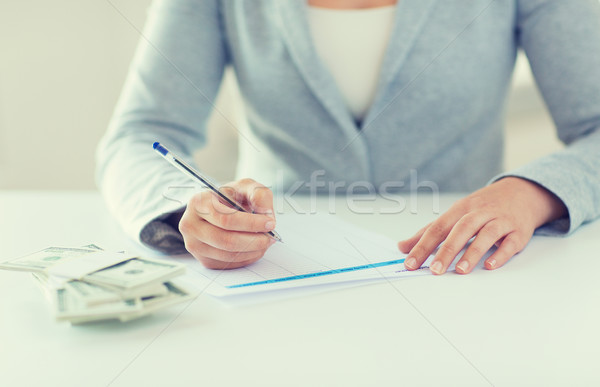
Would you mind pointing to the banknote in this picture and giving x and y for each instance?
(42, 260)
(136, 272)
(176, 295)
(42, 281)
(89, 294)
(92, 294)
(145, 290)
(124, 291)
(93, 247)
(69, 308)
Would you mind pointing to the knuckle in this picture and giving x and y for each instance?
(464, 204)
(227, 189)
(437, 228)
(471, 203)
(476, 250)
(193, 246)
(223, 220)
(185, 226)
(460, 203)
(196, 201)
(262, 193)
(448, 249)
(246, 181)
(201, 203)
(511, 244)
(468, 220)
(494, 228)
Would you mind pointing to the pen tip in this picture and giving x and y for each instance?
(155, 145)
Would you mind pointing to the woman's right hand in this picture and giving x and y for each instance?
(221, 237)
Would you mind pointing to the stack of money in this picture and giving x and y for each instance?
(88, 284)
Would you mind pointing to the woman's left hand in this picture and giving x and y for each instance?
(504, 214)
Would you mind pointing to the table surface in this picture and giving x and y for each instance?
(534, 322)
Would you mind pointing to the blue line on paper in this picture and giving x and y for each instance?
(317, 274)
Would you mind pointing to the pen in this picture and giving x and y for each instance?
(195, 175)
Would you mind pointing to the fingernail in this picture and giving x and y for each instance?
(270, 225)
(462, 266)
(491, 263)
(436, 267)
(410, 263)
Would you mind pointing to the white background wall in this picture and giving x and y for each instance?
(62, 65)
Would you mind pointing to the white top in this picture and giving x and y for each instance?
(352, 44)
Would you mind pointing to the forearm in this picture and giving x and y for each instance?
(168, 95)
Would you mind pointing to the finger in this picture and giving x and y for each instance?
(200, 249)
(511, 245)
(499, 242)
(489, 235)
(221, 265)
(406, 245)
(208, 206)
(461, 233)
(431, 239)
(193, 228)
(238, 197)
(258, 197)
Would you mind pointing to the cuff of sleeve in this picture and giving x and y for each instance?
(153, 230)
(545, 178)
(162, 236)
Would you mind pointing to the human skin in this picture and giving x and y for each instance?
(221, 237)
(505, 214)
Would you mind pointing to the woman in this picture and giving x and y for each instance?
(426, 93)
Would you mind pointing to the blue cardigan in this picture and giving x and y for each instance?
(438, 113)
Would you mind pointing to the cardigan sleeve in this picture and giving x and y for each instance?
(562, 42)
(168, 96)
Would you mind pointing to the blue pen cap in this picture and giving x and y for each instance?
(160, 148)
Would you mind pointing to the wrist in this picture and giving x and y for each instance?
(545, 206)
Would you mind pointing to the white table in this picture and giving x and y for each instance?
(535, 322)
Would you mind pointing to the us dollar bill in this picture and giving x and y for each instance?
(124, 291)
(69, 308)
(89, 294)
(136, 272)
(92, 294)
(176, 295)
(42, 260)
(42, 281)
